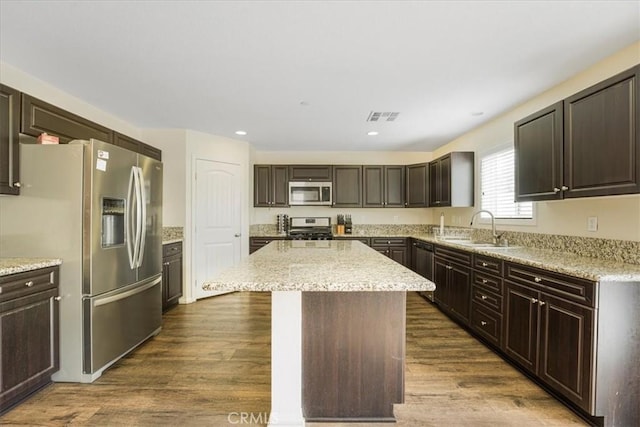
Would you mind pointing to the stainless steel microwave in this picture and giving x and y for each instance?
(309, 193)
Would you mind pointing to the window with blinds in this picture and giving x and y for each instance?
(498, 187)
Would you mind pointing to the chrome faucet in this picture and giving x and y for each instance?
(495, 237)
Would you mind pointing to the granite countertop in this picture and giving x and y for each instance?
(597, 270)
(329, 265)
(20, 265)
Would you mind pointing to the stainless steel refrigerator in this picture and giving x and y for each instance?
(99, 208)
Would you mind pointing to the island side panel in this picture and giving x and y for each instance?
(353, 354)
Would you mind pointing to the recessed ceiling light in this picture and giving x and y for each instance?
(241, 132)
(372, 133)
(477, 113)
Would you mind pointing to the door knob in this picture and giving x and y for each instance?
(237, 235)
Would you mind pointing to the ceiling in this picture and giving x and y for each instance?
(305, 75)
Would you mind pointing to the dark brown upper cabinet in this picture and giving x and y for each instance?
(383, 186)
(417, 186)
(138, 146)
(270, 186)
(39, 116)
(9, 141)
(601, 138)
(347, 186)
(538, 155)
(310, 173)
(451, 181)
(587, 145)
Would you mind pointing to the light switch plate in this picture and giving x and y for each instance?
(592, 223)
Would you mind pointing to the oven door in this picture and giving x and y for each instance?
(309, 193)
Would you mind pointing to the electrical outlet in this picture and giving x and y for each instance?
(592, 223)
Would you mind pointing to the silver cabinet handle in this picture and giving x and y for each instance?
(556, 190)
(533, 300)
(58, 298)
(17, 184)
(449, 267)
(542, 303)
(29, 284)
(484, 264)
(564, 188)
(485, 281)
(484, 297)
(483, 323)
(537, 279)
(165, 263)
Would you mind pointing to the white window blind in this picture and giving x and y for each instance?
(498, 187)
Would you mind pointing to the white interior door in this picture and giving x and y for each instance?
(218, 222)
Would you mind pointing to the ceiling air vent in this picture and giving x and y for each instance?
(387, 116)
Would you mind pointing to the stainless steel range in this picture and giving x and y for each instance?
(310, 228)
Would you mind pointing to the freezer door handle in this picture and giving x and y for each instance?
(138, 235)
(127, 294)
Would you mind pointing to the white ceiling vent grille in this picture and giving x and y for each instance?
(377, 116)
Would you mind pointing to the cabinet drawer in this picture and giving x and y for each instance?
(568, 287)
(489, 299)
(171, 249)
(388, 241)
(30, 282)
(488, 282)
(487, 264)
(486, 323)
(453, 255)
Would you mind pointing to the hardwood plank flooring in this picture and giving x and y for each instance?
(211, 363)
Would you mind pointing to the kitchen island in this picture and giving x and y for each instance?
(337, 327)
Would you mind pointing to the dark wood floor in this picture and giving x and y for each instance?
(210, 366)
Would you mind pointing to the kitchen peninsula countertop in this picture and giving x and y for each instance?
(20, 265)
(328, 265)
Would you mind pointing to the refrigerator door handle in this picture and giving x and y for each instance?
(103, 301)
(129, 220)
(136, 247)
(143, 210)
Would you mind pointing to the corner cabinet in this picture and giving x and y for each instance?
(270, 186)
(586, 145)
(9, 141)
(383, 186)
(171, 274)
(29, 330)
(417, 181)
(451, 181)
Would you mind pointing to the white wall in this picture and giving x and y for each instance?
(359, 215)
(618, 216)
(173, 144)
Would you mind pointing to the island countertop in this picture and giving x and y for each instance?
(322, 265)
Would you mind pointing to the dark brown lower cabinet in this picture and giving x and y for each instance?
(452, 276)
(353, 373)
(29, 330)
(393, 247)
(171, 274)
(256, 243)
(553, 339)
